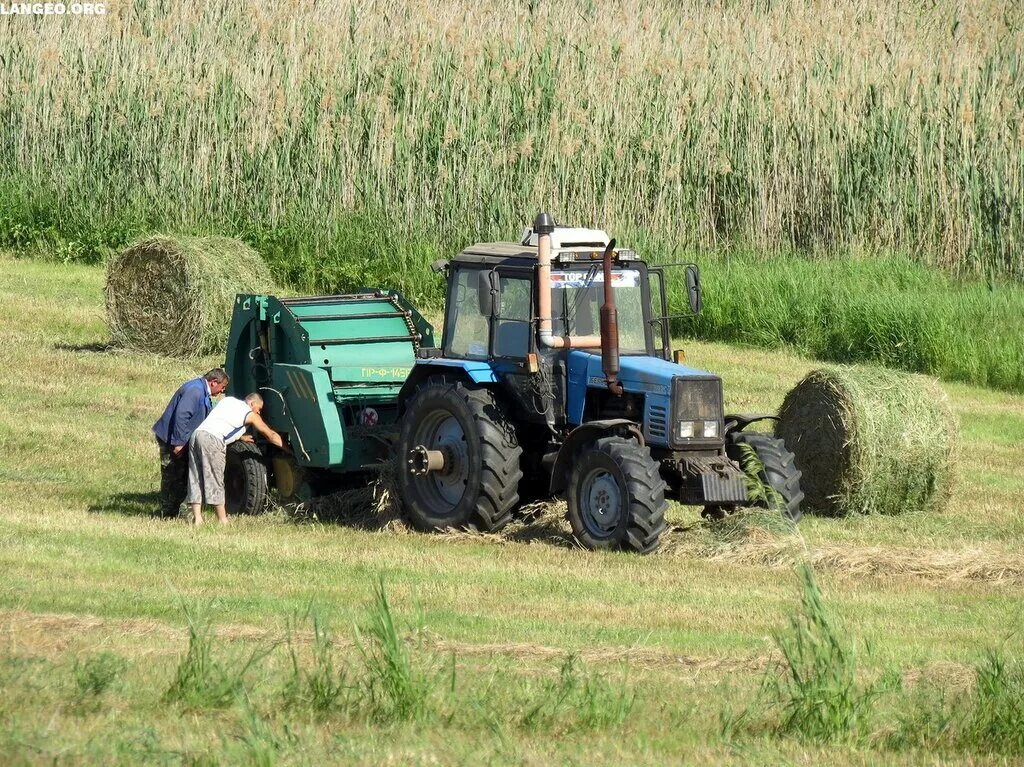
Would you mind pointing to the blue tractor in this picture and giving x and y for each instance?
(555, 377)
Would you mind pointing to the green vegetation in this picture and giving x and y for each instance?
(97, 674)
(803, 126)
(817, 690)
(849, 176)
(814, 135)
(201, 680)
(814, 691)
(508, 650)
(323, 688)
(396, 688)
(994, 718)
(812, 697)
(884, 310)
(987, 718)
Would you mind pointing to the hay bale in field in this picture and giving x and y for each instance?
(870, 440)
(175, 295)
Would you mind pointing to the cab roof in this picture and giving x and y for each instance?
(518, 254)
(564, 240)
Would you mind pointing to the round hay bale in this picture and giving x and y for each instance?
(870, 440)
(175, 295)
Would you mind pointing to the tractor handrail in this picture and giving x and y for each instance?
(363, 340)
(361, 316)
(349, 298)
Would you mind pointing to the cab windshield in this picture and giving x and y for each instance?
(576, 298)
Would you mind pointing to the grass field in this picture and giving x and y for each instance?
(884, 310)
(670, 649)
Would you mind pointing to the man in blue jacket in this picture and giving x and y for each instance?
(189, 406)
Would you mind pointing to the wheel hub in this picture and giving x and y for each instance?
(445, 434)
(603, 503)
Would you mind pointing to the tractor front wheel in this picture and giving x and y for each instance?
(616, 497)
(478, 484)
(777, 471)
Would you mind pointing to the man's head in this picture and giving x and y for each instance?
(217, 380)
(255, 402)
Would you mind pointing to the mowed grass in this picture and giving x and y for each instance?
(87, 569)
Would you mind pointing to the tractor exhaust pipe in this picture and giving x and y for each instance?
(610, 327)
(544, 225)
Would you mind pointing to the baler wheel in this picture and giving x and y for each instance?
(616, 497)
(245, 479)
(478, 487)
(291, 483)
(779, 471)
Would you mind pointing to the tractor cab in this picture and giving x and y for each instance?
(493, 287)
(493, 302)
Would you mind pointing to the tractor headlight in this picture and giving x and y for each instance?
(696, 409)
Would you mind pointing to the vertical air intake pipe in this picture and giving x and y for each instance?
(608, 341)
(544, 225)
(610, 327)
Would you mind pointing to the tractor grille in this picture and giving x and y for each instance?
(656, 423)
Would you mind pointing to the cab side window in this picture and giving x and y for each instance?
(512, 333)
(470, 329)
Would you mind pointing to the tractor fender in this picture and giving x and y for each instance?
(739, 421)
(469, 371)
(582, 434)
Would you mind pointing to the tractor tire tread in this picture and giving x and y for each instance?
(780, 472)
(500, 471)
(645, 490)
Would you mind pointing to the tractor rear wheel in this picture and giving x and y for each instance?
(778, 471)
(245, 479)
(616, 497)
(478, 486)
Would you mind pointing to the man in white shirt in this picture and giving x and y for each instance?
(207, 449)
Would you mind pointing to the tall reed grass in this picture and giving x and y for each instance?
(353, 142)
(801, 124)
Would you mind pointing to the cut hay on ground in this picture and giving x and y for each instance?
(748, 538)
(175, 295)
(373, 506)
(762, 550)
(50, 635)
(755, 538)
(377, 506)
(870, 440)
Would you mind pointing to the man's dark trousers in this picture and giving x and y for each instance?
(173, 479)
